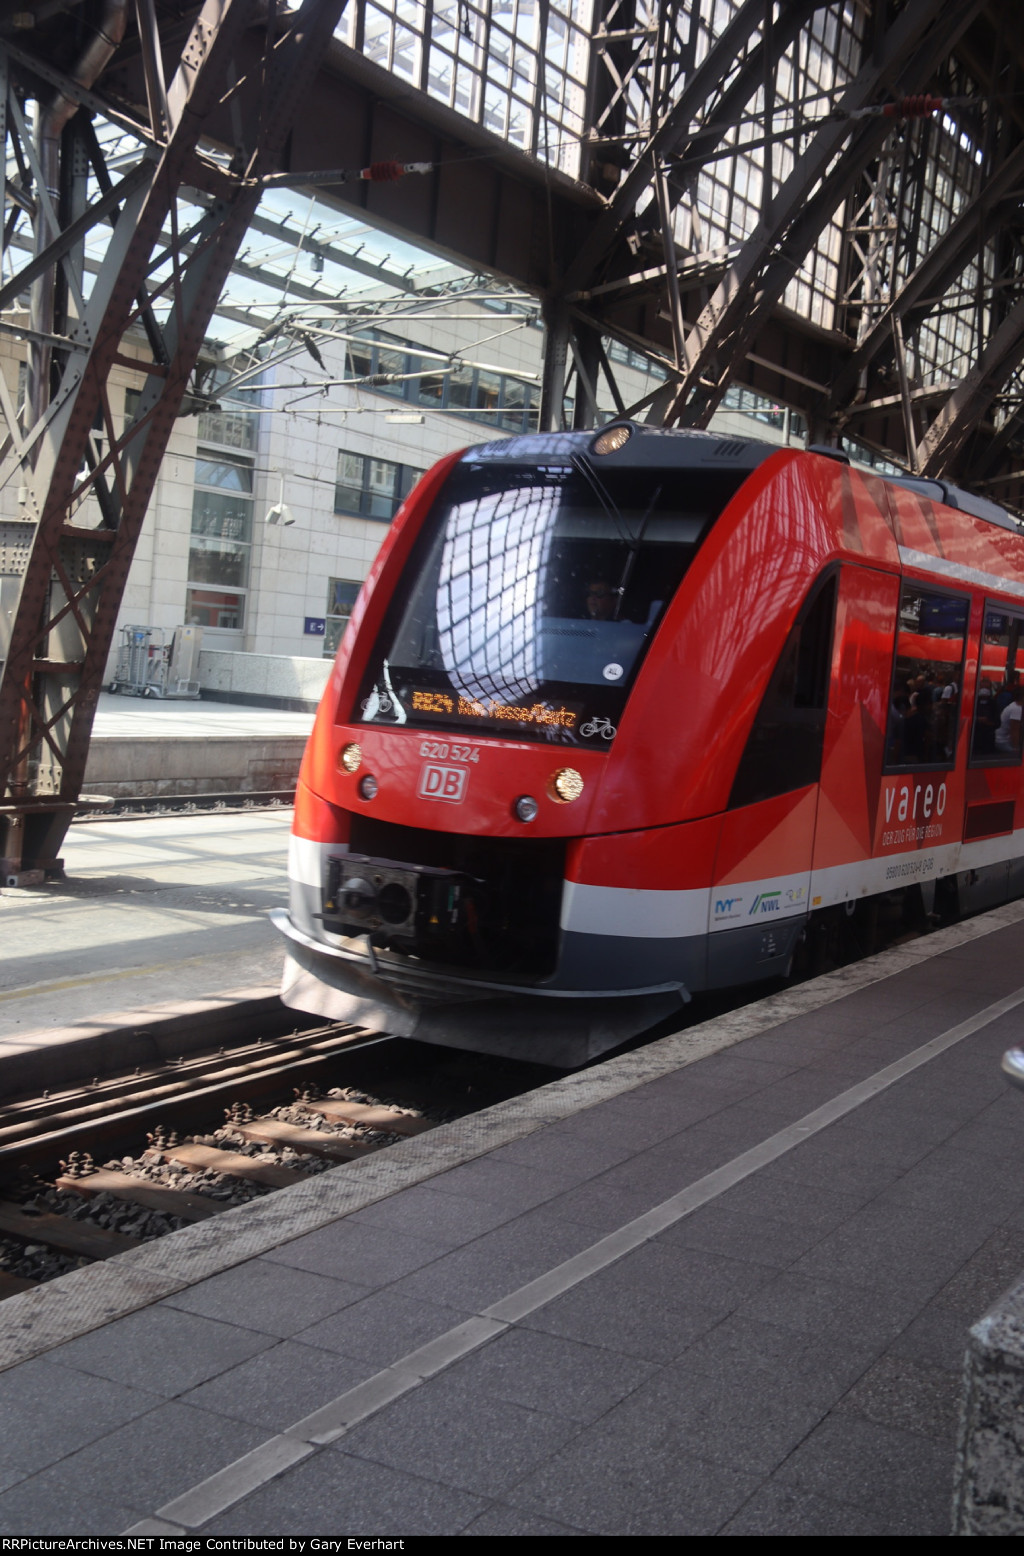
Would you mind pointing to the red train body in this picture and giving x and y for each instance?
(627, 715)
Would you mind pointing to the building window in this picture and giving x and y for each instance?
(388, 367)
(231, 418)
(341, 597)
(372, 488)
(218, 558)
(215, 608)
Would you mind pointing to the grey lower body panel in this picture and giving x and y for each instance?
(605, 989)
(752, 952)
(560, 1027)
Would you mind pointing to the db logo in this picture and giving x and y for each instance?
(443, 783)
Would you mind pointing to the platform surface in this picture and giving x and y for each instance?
(154, 911)
(720, 1285)
(121, 716)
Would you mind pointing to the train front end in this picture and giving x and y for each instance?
(476, 736)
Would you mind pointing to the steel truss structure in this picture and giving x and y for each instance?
(817, 201)
(66, 435)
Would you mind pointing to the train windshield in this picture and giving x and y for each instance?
(533, 596)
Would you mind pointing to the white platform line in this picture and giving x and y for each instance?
(222, 1490)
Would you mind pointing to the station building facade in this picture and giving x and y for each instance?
(273, 499)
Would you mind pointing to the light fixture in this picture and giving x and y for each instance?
(349, 757)
(612, 438)
(566, 784)
(405, 418)
(368, 787)
(526, 808)
(280, 513)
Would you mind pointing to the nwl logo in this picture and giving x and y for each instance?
(443, 783)
(765, 902)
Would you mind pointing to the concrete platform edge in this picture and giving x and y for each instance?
(40, 1320)
(115, 1043)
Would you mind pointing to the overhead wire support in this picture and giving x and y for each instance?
(376, 173)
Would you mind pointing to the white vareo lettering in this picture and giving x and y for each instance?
(925, 799)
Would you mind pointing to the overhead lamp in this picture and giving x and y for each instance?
(280, 513)
(406, 418)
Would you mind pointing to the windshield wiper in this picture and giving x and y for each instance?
(634, 544)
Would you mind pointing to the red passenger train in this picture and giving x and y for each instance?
(629, 714)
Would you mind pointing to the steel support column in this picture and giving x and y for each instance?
(911, 49)
(72, 584)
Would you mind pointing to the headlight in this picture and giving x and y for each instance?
(526, 808)
(349, 758)
(368, 787)
(566, 784)
(612, 438)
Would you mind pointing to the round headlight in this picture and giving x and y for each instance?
(526, 808)
(612, 438)
(349, 757)
(567, 784)
(368, 787)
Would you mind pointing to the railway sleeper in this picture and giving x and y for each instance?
(235, 1164)
(12, 1285)
(364, 1116)
(312, 1142)
(84, 1240)
(141, 1191)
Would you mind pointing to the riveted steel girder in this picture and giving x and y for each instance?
(75, 572)
(923, 290)
(669, 136)
(919, 38)
(959, 415)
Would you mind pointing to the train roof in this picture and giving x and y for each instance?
(678, 448)
(956, 497)
(687, 448)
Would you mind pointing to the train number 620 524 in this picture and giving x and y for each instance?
(441, 751)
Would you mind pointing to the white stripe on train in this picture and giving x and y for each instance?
(664, 914)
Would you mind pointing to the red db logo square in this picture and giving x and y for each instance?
(443, 783)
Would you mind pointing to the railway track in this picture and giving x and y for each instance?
(96, 1170)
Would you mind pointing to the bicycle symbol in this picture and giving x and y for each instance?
(598, 726)
(384, 703)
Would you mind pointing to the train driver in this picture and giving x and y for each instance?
(601, 599)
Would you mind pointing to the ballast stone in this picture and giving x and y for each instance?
(989, 1478)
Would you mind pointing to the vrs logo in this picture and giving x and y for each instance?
(765, 902)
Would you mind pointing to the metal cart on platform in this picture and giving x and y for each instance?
(154, 663)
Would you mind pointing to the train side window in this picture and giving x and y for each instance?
(784, 747)
(924, 704)
(996, 735)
